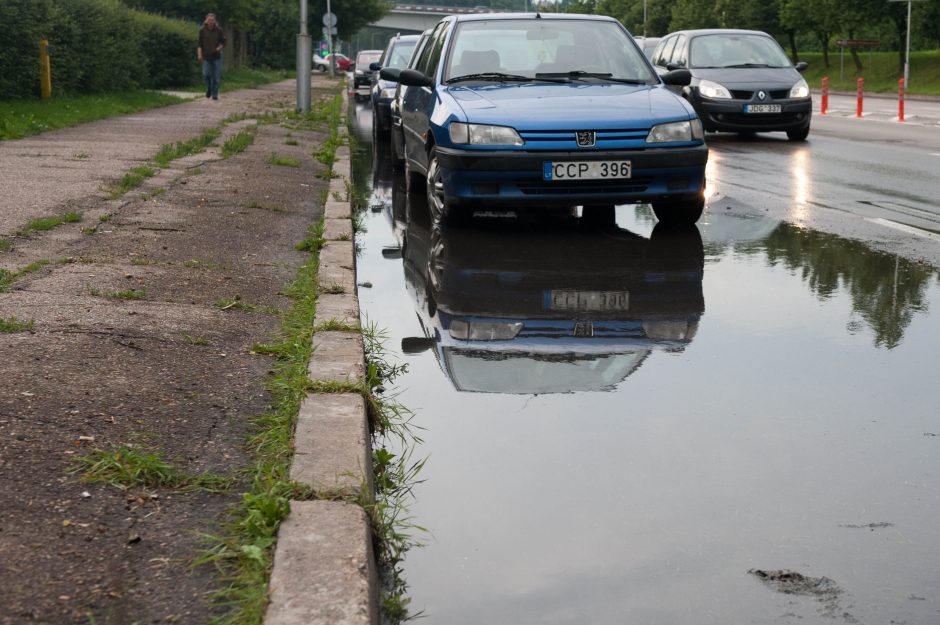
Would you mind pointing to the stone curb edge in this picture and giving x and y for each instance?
(324, 566)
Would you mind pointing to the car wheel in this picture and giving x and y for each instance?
(799, 134)
(679, 214)
(396, 150)
(441, 211)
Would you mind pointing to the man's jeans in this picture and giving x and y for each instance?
(211, 73)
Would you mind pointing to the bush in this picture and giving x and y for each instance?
(96, 46)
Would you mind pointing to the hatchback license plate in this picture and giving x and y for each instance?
(762, 108)
(586, 170)
(590, 301)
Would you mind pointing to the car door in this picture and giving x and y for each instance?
(417, 103)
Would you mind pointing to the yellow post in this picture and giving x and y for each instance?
(45, 71)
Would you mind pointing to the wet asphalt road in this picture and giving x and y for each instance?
(756, 395)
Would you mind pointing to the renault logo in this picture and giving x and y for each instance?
(586, 138)
(761, 95)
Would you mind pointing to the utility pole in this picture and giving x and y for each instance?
(304, 59)
(329, 38)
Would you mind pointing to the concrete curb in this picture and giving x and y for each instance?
(324, 565)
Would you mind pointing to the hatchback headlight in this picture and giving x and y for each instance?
(484, 134)
(675, 131)
(358, 72)
(709, 89)
(800, 89)
(484, 330)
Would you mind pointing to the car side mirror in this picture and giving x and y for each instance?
(801, 66)
(375, 66)
(678, 77)
(389, 73)
(673, 65)
(414, 78)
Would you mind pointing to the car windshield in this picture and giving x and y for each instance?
(400, 54)
(365, 58)
(736, 50)
(526, 49)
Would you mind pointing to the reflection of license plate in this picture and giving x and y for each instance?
(762, 108)
(590, 301)
(585, 170)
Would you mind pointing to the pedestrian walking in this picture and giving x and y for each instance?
(209, 53)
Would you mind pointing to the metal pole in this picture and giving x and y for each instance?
(329, 42)
(907, 56)
(304, 60)
(644, 19)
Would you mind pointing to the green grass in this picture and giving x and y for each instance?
(127, 466)
(282, 161)
(5, 245)
(883, 75)
(12, 324)
(170, 152)
(48, 223)
(194, 340)
(238, 143)
(128, 294)
(131, 180)
(21, 118)
(274, 208)
(7, 278)
(235, 302)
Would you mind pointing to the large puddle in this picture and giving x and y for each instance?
(734, 425)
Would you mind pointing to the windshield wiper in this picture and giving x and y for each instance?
(748, 65)
(578, 75)
(496, 76)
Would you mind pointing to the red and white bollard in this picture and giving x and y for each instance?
(860, 90)
(901, 100)
(824, 104)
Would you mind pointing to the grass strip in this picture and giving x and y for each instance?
(244, 78)
(22, 118)
(238, 143)
(12, 324)
(128, 466)
(170, 152)
(7, 278)
(48, 223)
(129, 181)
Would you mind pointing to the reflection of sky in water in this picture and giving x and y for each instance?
(754, 447)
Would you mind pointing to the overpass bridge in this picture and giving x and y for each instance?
(416, 18)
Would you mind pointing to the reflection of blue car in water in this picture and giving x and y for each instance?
(557, 309)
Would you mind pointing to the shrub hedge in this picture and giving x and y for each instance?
(96, 46)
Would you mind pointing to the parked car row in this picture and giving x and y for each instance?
(558, 110)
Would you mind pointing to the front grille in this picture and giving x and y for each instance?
(602, 137)
(776, 94)
(578, 187)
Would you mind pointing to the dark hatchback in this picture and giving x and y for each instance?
(742, 81)
(396, 56)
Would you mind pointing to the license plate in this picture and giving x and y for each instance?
(762, 108)
(589, 301)
(586, 170)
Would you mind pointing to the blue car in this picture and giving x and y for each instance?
(547, 110)
(397, 54)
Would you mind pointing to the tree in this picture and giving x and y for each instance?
(820, 17)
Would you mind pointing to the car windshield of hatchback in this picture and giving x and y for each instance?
(724, 50)
(365, 58)
(529, 50)
(400, 54)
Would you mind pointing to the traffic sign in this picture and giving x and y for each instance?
(329, 31)
(329, 19)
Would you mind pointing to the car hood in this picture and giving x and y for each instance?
(542, 106)
(750, 77)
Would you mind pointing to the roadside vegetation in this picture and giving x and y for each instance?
(881, 74)
(133, 466)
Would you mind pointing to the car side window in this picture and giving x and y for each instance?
(665, 52)
(436, 46)
(679, 52)
(422, 61)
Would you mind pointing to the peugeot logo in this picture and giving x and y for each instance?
(761, 95)
(586, 138)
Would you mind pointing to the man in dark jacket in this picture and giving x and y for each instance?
(209, 53)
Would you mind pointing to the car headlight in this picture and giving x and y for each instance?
(800, 89)
(675, 131)
(484, 134)
(484, 330)
(358, 72)
(709, 89)
(387, 94)
(670, 330)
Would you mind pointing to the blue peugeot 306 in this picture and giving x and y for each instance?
(531, 110)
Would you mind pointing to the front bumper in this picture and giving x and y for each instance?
(729, 115)
(514, 178)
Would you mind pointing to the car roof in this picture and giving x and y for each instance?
(717, 31)
(478, 17)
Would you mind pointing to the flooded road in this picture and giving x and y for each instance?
(624, 425)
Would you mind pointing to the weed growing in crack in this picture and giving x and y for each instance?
(170, 152)
(48, 223)
(11, 325)
(313, 243)
(238, 143)
(193, 340)
(282, 161)
(129, 466)
(274, 208)
(131, 180)
(233, 302)
(128, 294)
(5, 245)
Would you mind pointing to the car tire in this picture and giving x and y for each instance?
(441, 211)
(799, 134)
(679, 214)
(396, 150)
